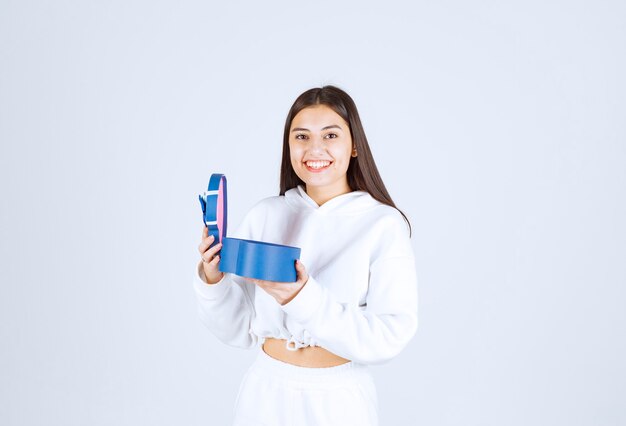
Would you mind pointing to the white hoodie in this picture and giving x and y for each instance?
(360, 301)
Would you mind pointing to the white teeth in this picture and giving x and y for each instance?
(317, 164)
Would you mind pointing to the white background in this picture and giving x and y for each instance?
(498, 127)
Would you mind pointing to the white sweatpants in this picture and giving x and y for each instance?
(274, 393)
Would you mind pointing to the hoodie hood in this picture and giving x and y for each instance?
(350, 203)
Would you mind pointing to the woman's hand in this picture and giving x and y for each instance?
(284, 292)
(210, 259)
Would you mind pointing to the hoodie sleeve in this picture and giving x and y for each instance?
(226, 308)
(372, 334)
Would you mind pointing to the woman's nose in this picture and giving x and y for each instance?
(316, 144)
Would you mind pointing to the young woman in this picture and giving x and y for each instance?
(355, 302)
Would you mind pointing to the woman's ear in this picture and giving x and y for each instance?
(354, 152)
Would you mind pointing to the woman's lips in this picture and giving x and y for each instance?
(317, 166)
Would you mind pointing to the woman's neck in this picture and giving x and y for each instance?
(323, 194)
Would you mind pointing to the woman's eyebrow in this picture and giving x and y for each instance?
(332, 126)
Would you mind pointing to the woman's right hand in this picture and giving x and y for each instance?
(210, 259)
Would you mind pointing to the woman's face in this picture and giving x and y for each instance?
(321, 146)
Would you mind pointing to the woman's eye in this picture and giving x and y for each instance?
(300, 136)
(331, 135)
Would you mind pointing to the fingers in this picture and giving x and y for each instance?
(299, 266)
(302, 275)
(208, 255)
(213, 262)
(282, 292)
(266, 284)
(206, 243)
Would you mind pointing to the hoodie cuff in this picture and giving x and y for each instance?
(209, 291)
(306, 303)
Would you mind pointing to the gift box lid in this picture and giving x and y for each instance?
(214, 207)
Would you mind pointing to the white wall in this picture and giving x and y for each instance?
(498, 128)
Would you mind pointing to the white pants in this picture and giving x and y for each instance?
(274, 393)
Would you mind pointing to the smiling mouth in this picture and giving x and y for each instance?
(317, 165)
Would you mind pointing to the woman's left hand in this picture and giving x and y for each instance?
(284, 292)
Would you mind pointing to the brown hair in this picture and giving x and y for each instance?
(362, 171)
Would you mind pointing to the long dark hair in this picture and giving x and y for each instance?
(362, 171)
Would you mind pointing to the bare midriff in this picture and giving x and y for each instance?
(310, 356)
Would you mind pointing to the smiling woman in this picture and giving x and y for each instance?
(320, 152)
(354, 304)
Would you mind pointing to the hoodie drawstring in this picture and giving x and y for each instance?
(293, 345)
